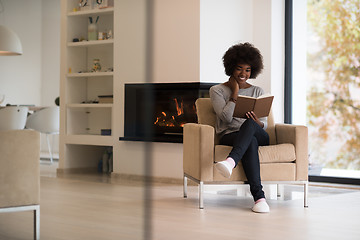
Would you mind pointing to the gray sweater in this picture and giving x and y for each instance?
(225, 122)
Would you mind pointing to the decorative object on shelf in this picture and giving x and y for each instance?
(104, 35)
(101, 36)
(90, 101)
(96, 65)
(103, 3)
(106, 162)
(106, 98)
(92, 29)
(109, 34)
(84, 5)
(105, 132)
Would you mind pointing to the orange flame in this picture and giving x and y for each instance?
(180, 110)
(170, 121)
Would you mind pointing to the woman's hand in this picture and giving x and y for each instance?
(253, 116)
(234, 86)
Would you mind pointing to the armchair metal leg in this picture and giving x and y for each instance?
(49, 146)
(37, 223)
(306, 189)
(278, 190)
(185, 187)
(201, 192)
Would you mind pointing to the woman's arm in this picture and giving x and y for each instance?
(224, 109)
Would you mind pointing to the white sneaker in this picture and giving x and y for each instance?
(261, 207)
(224, 168)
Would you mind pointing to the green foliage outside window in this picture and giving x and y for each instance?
(333, 109)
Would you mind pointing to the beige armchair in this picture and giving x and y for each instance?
(284, 161)
(20, 174)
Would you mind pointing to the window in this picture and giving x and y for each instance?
(327, 80)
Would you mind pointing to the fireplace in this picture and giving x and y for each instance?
(162, 107)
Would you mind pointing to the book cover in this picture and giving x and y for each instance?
(260, 106)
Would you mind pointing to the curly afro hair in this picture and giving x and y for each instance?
(243, 53)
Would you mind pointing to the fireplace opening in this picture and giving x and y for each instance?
(172, 105)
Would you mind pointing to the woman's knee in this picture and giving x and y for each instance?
(249, 123)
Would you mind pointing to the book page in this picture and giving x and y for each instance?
(265, 95)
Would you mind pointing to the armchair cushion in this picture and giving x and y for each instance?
(279, 153)
(268, 172)
(277, 159)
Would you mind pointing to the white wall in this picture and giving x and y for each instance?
(261, 22)
(299, 62)
(20, 76)
(32, 78)
(277, 58)
(50, 62)
(268, 18)
(222, 24)
(176, 41)
(50, 58)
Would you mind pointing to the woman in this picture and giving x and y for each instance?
(241, 62)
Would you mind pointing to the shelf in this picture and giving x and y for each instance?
(90, 74)
(86, 139)
(103, 11)
(89, 105)
(90, 43)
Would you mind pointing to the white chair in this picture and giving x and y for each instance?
(13, 118)
(45, 121)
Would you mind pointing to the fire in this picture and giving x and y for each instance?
(170, 121)
(180, 110)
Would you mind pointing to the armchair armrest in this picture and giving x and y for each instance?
(298, 136)
(19, 168)
(198, 151)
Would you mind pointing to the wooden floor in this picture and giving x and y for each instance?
(95, 207)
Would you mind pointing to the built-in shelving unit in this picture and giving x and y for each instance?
(85, 124)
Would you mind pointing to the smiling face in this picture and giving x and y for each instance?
(242, 73)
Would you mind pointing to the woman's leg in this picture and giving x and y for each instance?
(241, 139)
(251, 165)
(245, 144)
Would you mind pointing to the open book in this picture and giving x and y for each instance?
(260, 106)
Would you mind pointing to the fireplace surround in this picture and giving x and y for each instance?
(157, 111)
